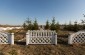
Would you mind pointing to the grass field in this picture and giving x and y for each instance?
(63, 48)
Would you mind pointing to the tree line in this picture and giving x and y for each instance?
(74, 27)
(30, 25)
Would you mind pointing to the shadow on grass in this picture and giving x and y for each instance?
(20, 43)
(63, 41)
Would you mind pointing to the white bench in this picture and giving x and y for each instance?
(6, 38)
(41, 37)
(78, 37)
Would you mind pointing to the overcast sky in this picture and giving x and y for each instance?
(15, 12)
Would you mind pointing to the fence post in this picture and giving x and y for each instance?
(56, 39)
(27, 38)
(70, 39)
(12, 39)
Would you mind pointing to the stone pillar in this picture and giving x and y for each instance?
(27, 38)
(56, 39)
(12, 39)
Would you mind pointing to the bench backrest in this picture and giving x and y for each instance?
(78, 37)
(6, 38)
(41, 37)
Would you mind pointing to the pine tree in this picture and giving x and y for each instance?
(83, 22)
(29, 24)
(57, 26)
(47, 26)
(35, 25)
(70, 26)
(65, 26)
(76, 27)
(53, 27)
(24, 25)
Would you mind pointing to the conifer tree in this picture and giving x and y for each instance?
(70, 26)
(47, 26)
(83, 22)
(76, 27)
(35, 25)
(65, 26)
(53, 27)
(24, 25)
(29, 25)
(57, 26)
